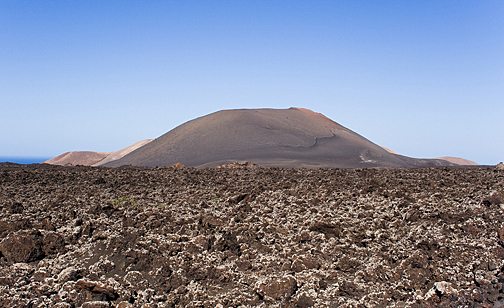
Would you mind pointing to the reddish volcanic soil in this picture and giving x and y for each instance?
(249, 237)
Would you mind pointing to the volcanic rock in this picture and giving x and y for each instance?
(238, 165)
(22, 246)
(496, 198)
(304, 301)
(96, 304)
(68, 274)
(178, 165)
(96, 287)
(277, 287)
(305, 262)
(250, 237)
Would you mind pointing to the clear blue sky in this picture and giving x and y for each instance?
(424, 78)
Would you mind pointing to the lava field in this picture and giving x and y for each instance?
(244, 236)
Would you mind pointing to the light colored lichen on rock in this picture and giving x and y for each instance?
(303, 238)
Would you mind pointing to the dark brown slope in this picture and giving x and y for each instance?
(270, 137)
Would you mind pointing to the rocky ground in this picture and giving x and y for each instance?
(250, 237)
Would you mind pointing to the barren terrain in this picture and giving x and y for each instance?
(280, 138)
(250, 237)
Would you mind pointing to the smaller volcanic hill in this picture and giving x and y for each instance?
(459, 161)
(74, 158)
(90, 158)
(121, 153)
(290, 138)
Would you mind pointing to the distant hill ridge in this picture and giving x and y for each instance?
(289, 138)
(459, 161)
(90, 158)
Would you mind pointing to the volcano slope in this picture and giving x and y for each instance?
(289, 138)
(249, 237)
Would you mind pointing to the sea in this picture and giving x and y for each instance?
(25, 160)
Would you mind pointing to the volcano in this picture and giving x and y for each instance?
(288, 138)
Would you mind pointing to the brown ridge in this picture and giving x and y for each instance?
(90, 158)
(293, 138)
